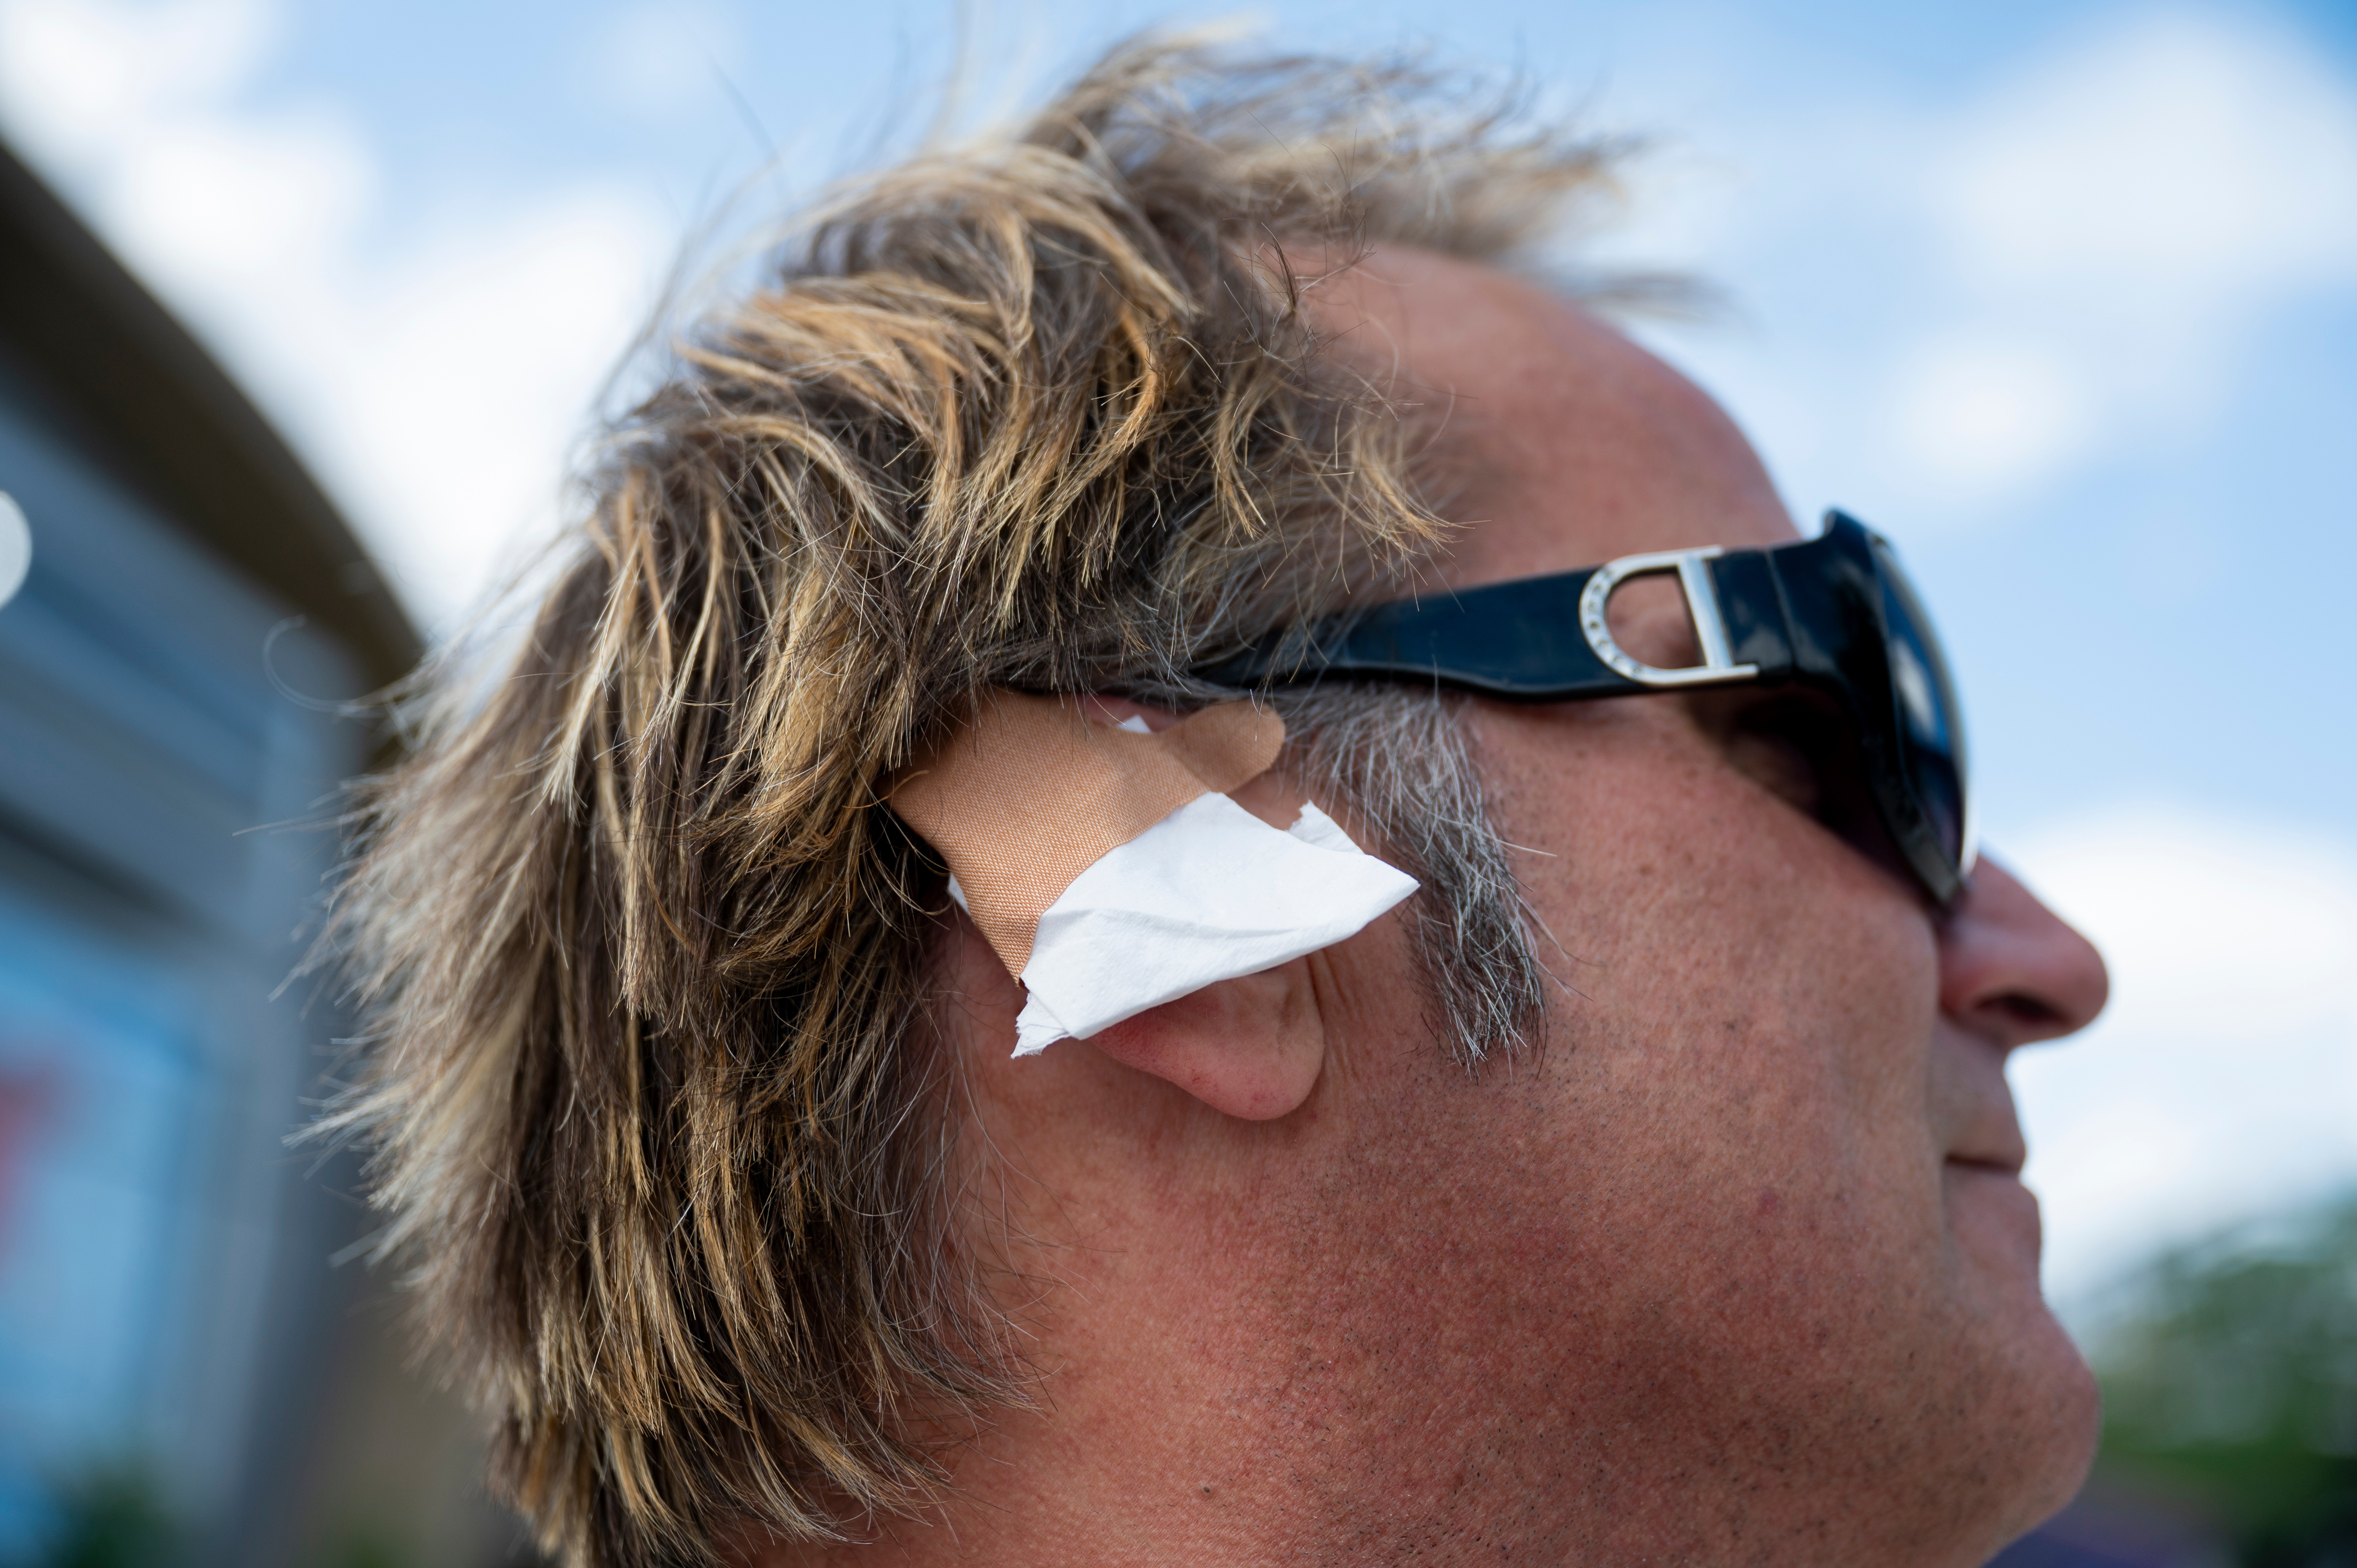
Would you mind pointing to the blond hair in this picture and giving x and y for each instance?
(655, 1110)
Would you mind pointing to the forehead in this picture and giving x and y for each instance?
(1561, 443)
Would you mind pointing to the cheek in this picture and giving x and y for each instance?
(1752, 970)
(1743, 1060)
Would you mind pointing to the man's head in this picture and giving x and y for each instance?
(1642, 1190)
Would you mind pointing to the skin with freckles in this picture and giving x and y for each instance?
(1735, 1269)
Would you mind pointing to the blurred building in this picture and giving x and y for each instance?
(179, 1362)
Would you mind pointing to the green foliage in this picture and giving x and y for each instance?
(2235, 1383)
(111, 1516)
(370, 1545)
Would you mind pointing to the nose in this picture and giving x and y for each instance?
(2011, 969)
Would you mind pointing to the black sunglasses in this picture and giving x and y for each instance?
(1835, 614)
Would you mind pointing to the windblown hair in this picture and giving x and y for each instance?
(655, 1110)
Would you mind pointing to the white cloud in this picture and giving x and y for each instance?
(2223, 1081)
(2136, 205)
(2184, 160)
(659, 59)
(215, 203)
(72, 70)
(484, 352)
(434, 380)
(1963, 304)
(1989, 413)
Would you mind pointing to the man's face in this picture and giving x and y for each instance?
(1734, 1268)
(1757, 1200)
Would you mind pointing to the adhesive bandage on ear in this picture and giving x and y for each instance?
(1109, 870)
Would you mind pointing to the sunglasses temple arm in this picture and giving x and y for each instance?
(1520, 641)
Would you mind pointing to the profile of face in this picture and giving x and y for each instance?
(1734, 1267)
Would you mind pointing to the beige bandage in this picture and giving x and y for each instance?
(1031, 792)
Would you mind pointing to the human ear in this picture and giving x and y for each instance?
(1250, 1047)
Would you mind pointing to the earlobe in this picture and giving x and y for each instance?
(1250, 1047)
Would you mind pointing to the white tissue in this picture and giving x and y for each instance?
(1208, 893)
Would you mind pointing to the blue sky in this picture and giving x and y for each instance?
(2063, 297)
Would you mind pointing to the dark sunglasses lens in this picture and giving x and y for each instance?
(1931, 724)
